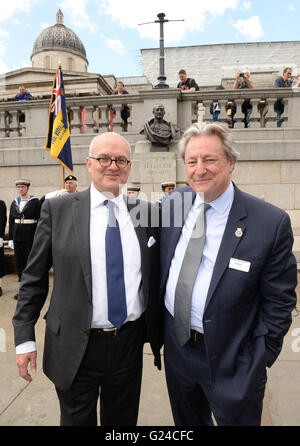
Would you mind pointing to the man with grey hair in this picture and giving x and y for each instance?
(228, 279)
(104, 305)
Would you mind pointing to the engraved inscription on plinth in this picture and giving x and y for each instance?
(155, 168)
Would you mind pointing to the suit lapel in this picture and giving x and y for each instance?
(233, 234)
(81, 221)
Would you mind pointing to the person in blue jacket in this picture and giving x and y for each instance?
(23, 94)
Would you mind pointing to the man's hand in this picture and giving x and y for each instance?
(22, 363)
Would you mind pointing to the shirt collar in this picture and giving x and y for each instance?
(222, 203)
(97, 198)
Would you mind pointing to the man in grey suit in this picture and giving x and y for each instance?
(104, 303)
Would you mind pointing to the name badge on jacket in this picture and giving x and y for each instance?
(240, 265)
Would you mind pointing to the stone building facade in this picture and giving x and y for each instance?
(212, 65)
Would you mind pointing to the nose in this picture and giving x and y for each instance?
(113, 166)
(200, 167)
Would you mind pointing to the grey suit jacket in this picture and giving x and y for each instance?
(62, 240)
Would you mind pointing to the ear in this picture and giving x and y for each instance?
(88, 163)
(231, 166)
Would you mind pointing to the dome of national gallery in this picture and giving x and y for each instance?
(58, 39)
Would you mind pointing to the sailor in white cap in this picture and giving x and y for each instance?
(133, 190)
(23, 217)
(167, 187)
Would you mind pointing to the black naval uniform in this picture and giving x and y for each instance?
(22, 226)
(3, 219)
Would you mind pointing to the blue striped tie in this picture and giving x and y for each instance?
(116, 294)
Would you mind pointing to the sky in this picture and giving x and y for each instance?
(112, 36)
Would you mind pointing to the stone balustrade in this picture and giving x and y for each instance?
(180, 109)
(269, 159)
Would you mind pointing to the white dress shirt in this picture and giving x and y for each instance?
(131, 257)
(216, 218)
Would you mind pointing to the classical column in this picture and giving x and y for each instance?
(90, 123)
(271, 115)
(239, 115)
(255, 115)
(76, 123)
(117, 121)
(3, 123)
(103, 122)
(14, 125)
(207, 116)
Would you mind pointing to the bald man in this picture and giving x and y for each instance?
(104, 305)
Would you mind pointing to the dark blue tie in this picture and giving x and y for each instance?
(116, 294)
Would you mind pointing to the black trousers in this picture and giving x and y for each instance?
(22, 251)
(112, 369)
(189, 386)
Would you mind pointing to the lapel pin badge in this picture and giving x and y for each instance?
(238, 232)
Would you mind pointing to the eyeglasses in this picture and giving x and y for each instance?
(106, 161)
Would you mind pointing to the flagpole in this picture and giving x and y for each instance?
(62, 167)
(58, 135)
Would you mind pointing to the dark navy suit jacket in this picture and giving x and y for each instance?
(246, 314)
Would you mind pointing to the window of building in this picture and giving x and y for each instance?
(47, 62)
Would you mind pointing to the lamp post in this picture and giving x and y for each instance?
(162, 77)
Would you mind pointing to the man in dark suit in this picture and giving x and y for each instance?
(228, 281)
(104, 304)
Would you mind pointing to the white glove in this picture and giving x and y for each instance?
(1, 242)
(11, 244)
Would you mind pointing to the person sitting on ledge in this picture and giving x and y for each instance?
(23, 94)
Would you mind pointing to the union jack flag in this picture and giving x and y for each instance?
(56, 105)
(58, 138)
